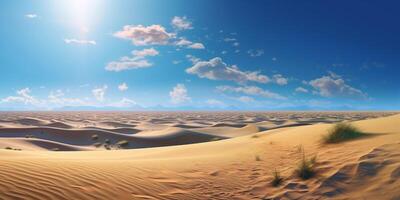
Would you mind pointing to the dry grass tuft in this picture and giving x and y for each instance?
(305, 169)
(277, 179)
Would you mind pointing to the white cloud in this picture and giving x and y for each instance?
(301, 89)
(57, 98)
(145, 52)
(82, 42)
(136, 61)
(334, 86)
(280, 80)
(179, 94)
(23, 96)
(246, 99)
(230, 39)
(124, 102)
(236, 44)
(255, 53)
(99, 93)
(31, 16)
(216, 69)
(145, 35)
(214, 102)
(196, 46)
(127, 64)
(193, 59)
(183, 42)
(188, 44)
(181, 23)
(251, 90)
(123, 87)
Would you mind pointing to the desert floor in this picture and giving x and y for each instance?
(195, 155)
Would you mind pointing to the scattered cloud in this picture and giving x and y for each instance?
(175, 62)
(193, 59)
(145, 35)
(179, 94)
(251, 90)
(215, 103)
(188, 44)
(196, 46)
(255, 53)
(183, 42)
(99, 93)
(58, 98)
(31, 16)
(138, 60)
(23, 96)
(301, 89)
(245, 99)
(216, 69)
(334, 86)
(123, 87)
(123, 103)
(81, 42)
(181, 23)
(230, 39)
(280, 80)
(145, 52)
(274, 59)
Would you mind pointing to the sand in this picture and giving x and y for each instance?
(195, 155)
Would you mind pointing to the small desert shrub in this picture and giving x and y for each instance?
(107, 141)
(97, 144)
(258, 158)
(55, 149)
(8, 148)
(215, 139)
(95, 137)
(305, 168)
(342, 132)
(123, 143)
(28, 136)
(255, 136)
(277, 179)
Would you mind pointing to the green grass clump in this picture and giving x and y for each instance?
(277, 179)
(305, 169)
(342, 132)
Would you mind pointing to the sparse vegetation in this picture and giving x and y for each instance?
(277, 179)
(123, 143)
(95, 137)
(258, 158)
(305, 168)
(55, 149)
(10, 148)
(107, 141)
(29, 136)
(215, 139)
(97, 144)
(255, 136)
(342, 132)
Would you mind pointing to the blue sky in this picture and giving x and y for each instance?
(258, 55)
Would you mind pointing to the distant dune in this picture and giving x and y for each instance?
(196, 156)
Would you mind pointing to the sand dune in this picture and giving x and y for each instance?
(236, 168)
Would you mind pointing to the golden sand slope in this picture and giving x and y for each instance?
(367, 168)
